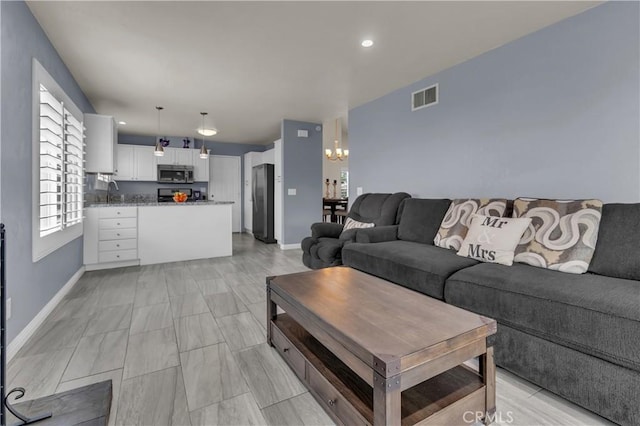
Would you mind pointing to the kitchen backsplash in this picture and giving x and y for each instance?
(129, 191)
(100, 197)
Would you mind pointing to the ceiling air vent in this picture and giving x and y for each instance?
(424, 97)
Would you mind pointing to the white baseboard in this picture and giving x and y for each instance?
(111, 265)
(289, 246)
(18, 342)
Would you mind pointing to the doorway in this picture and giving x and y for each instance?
(225, 185)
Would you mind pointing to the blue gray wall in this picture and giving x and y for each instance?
(302, 170)
(553, 114)
(217, 148)
(30, 285)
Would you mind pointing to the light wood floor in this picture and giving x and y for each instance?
(184, 344)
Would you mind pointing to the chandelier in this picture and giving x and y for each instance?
(338, 153)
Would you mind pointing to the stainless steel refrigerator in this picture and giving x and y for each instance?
(262, 197)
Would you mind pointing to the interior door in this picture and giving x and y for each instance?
(225, 184)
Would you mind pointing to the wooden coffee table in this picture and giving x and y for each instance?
(372, 352)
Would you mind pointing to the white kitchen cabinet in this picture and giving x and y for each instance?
(125, 162)
(136, 163)
(177, 156)
(110, 237)
(184, 156)
(101, 142)
(200, 167)
(169, 156)
(268, 157)
(145, 163)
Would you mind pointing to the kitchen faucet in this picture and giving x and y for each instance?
(109, 187)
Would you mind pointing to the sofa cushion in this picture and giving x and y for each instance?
(420, 267)
(456, 222)
(380, 209)
(562, 235)
(590, 313)
(618, 245)
(421, 219)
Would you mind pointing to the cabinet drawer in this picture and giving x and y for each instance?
(332, 399)
(118, 245)
(117, 234)
(125, 222)
(115, 212)
(289, 352)
(117, 256)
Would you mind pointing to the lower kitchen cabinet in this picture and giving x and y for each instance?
(116, 236)
(110, 237)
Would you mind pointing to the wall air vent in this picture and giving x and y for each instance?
(424, 97)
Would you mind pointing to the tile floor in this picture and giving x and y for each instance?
(184, 344)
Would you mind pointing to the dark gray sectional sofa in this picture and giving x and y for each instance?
(575, 335)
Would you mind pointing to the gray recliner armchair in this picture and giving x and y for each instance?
(324, 247)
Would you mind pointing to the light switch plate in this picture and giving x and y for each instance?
(291, 191)
(359, 190)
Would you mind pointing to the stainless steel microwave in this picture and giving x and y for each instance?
(175, 174)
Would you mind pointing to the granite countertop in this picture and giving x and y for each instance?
(150, 204)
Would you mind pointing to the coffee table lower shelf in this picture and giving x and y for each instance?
(348, 399)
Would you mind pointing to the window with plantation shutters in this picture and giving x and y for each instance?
(51, 170)
(73, 170)
(58, 166)
(61, 165)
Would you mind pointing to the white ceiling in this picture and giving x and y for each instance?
(251, 64)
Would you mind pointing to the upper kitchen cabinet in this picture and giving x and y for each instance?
(200, 167)
(184, 156)
(177, 156)
(126, 162)
(101, 140)
(169, 157)
(145, 163)
(136, 163)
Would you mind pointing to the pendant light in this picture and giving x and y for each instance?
(203, 150)
(339, 153)
(159, 150)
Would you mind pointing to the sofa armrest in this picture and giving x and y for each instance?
(377, 234)
(349, 236)
(326, 230)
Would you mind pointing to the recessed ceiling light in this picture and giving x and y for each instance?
(208, 132)
(122, 123)
(367, 43)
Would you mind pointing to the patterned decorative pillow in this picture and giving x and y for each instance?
(562, 235)
(354, 224)
(456, 221)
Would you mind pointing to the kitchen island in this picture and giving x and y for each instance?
(118, 235)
